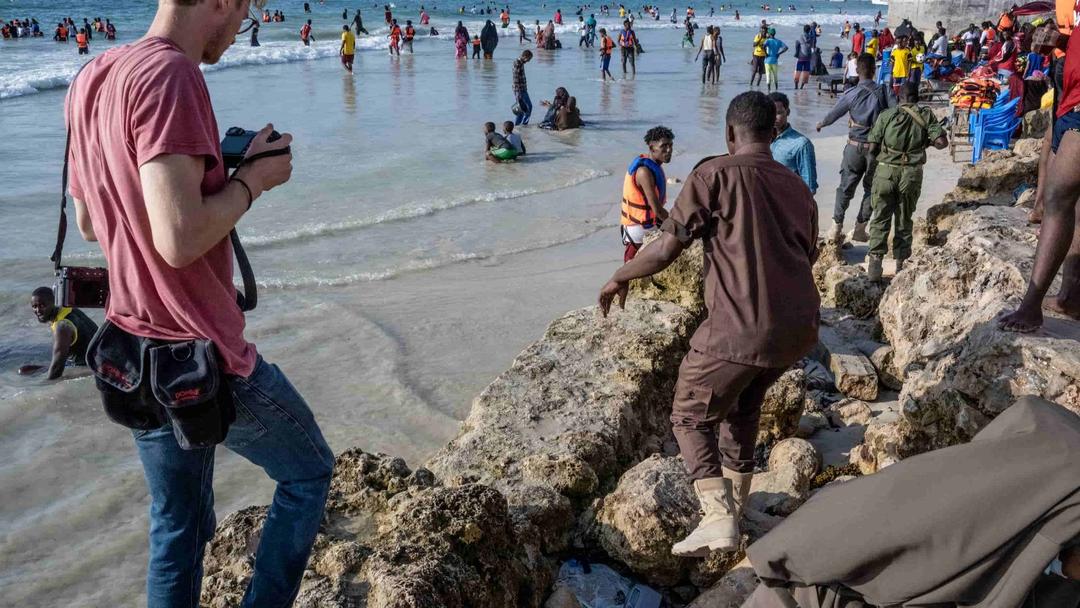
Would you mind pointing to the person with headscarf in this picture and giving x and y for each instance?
(461, 40)
(562, 98)
(568, 116)
(549, 36)
(489, 39)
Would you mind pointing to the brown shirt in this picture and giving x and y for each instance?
(759, 223)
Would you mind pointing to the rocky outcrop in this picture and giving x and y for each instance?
(786, 484)
(731, 590)
(992, 181)
(392, 538)
(577, 408)
(680, 283)
(853, 373)
(782, 407)
(850, 288)
(940, 314)
(653, 507)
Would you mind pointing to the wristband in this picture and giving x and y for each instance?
(251, 197)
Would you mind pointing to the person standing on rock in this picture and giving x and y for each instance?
(899, 140)
(759, 224)
(862, 104)
(149, 184)
(1059, 237)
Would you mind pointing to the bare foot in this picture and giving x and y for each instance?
(1021, 321)
(1035, 216)
(1053, 304)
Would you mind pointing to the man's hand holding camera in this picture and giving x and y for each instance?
(268, 172)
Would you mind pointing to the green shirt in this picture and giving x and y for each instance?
(903, 140)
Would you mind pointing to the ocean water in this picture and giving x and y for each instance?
(399, 271)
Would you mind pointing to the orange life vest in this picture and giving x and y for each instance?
(1066, 13)
(635, 207)
(81, 39)
(606, 45)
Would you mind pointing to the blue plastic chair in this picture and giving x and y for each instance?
(993, 128)
(885, 70)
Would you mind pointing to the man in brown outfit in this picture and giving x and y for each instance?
(759, 224)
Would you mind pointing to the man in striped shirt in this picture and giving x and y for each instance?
(521, 90)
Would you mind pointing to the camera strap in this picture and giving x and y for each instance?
(246, 300)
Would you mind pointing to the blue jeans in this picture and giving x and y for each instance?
(526, 108)
(275, 430)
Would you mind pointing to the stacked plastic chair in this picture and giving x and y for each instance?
(993, 129)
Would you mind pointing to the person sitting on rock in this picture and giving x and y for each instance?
(969, 525)
(759, 224)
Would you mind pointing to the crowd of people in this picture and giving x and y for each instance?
(162, 208)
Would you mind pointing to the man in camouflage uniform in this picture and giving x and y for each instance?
(899, 139)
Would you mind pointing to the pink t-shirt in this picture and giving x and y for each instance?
(128, 106)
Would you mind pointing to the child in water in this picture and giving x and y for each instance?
(476, 47)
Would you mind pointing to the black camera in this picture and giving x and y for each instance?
(236, 143)
(81, 287)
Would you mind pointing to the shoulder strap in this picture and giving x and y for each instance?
(919, 120)
(246, 300)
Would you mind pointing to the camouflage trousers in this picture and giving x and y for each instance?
(893, 198)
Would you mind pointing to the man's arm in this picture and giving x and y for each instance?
(653, 258)
(647, 182)
(183, 223)
(783, 49)
(842, 107)
(62, 339)
(82, 218)
(808, 166)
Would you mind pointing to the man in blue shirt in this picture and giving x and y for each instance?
(773, 49)
(791, 148)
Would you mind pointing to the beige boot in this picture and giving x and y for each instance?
(740, 488)
(859, 235)
(836, 235)
(873, 267)
(718, 529)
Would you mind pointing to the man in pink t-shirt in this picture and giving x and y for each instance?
(148, 184)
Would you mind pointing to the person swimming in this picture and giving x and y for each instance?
(71, 330)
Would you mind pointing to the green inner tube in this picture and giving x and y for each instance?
(505, 153)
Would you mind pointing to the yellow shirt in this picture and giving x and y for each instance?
(759, 46)
(901, 63)
(622, 12)
(871, 46)
(919, 50)
(348, 43)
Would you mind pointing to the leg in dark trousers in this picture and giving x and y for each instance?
(716, 411)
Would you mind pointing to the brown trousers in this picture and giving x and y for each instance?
(716, 411)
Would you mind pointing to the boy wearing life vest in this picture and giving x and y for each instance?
(305, 33)
(607, 45)
(83, 41)
(395, 38)
(476, 47)
(645, 191)
(410, 33)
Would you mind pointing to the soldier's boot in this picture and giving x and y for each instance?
(718, 529)
(859, 234)
(836, 235)
(740, 487)
(873, 267)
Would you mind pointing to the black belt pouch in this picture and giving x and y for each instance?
(146, 383)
